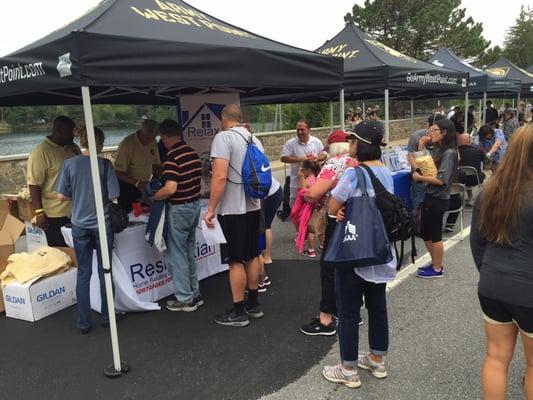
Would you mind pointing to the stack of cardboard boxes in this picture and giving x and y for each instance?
(38, 298)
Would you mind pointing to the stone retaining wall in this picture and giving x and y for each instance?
(13, 168)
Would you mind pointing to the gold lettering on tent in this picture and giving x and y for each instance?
(337, 51)
(186, 16)
(163, 16)
(179, 19)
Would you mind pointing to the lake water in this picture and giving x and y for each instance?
(23, 143)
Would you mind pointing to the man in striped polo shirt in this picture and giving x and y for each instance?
(182, 172)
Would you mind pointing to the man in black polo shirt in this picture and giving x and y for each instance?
(182, 172)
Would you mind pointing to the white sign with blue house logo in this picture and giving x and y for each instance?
(201, 116)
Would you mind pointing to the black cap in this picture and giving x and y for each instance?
(370, 132)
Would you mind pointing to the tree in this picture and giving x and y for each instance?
(519, 39)
(488, 57)
(419, 27)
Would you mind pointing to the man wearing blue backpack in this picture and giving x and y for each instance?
(241, 176)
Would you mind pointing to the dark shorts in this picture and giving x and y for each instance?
(242, 236)
(431, 215)
(496, 312)
(271, 205)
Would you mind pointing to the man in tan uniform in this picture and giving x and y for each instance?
(137, 160)
(44, 164)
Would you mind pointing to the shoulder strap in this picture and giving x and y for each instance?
(362, 181)
(105, 193)
(376, 183)
(243, 138)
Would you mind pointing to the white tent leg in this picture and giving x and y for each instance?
(117, 368)
(341, 104)
(480, 112)
(331, 115)
(387, 131)
(484, 105)
(466, 113)
(412, 115)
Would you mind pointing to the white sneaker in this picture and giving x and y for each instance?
(376, 369)
(337, 374)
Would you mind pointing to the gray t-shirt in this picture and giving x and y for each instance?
(230, 146)
(412, 145)
(446, 171)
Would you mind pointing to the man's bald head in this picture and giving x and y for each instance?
(463, 139)
(232, 113)
(231, 116)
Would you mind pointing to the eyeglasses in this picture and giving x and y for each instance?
(433, 130)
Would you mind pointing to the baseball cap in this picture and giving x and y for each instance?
(370, 132)
(337, 137)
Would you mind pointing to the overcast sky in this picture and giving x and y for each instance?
(306, 24)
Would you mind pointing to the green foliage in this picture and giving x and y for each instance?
(488, 57)
(519, 39)
(419, 27)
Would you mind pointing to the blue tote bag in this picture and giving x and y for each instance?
(361, 239)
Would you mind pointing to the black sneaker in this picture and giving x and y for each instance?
(198, 300)
(315, 328)
(254, 312)
(262, 288)
(230, 318)
(267, 281)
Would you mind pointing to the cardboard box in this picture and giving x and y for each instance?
(40, 298)
(10, 230)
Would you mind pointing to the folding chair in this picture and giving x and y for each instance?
(470, 171)
(460, 189)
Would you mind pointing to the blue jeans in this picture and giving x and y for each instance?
(85, 242)
(181, 221)
(349, 289)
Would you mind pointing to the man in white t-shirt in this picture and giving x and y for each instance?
(298, 149)
(238, 215)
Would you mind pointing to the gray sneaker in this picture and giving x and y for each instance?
(254, 312)
(174, 305)
(198, 300)
(377, 369)
(337, 374)
(230, 318)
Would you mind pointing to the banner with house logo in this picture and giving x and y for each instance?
(201, 122)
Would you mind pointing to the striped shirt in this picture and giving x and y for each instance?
(182, 165)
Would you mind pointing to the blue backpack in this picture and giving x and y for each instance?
(256, 173)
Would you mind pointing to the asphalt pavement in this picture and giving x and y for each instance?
(436, 343)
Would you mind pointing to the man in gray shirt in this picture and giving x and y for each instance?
(238, 216)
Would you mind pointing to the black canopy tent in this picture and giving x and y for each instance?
(480, 82)
(373, 70)
(505, 68)
(150, 52)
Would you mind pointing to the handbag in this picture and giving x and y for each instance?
(317, 222)
(118, 217)
(361, 239)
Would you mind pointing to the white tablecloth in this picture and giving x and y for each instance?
(139, 272)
